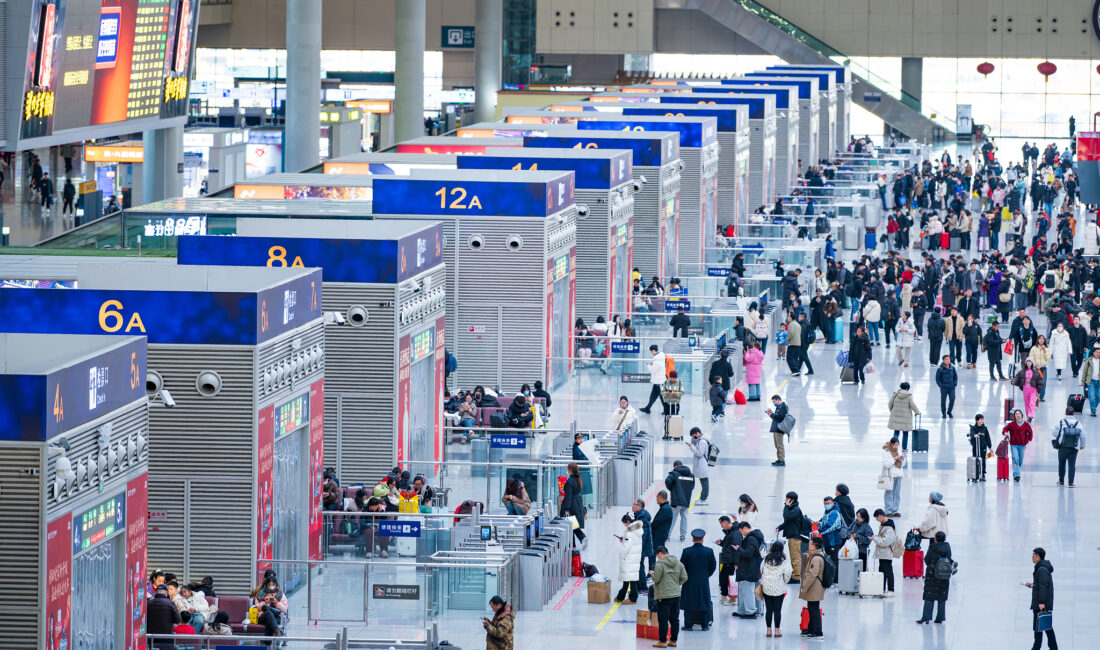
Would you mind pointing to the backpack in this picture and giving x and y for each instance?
(712, 453)
(897, 549)
(828, 572)
(670, 366)
(807, 527)
(913, 540)
(944, 568)
(451, 363)
(1070, 437)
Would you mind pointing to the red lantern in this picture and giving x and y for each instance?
(1098, 69)
(986, 68)
(1046, 68)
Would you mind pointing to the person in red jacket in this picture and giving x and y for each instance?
(1019, 433)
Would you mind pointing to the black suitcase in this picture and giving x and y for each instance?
(498, 420)
(1010, 405)
(1076, 402)
(920, 438)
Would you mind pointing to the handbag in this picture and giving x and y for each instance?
(869, 368)
(884, 481)
(573, 520)
(1044, 622)
(759, 591)
(1009, 347)
(786, 425)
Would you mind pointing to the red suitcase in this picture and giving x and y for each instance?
(945, 240)
(1002, 469)
(1010, 405)
(913, 564)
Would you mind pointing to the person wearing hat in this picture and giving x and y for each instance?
(699, 563)
(935, 517)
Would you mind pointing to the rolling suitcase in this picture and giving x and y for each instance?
(847, 576)
(847, 375)
(1076, 402)
(674, 427)
(1002, 469)
(871, 584)
(925, 243)
(870, 241)
(974, 464)
(956, 243)
(920, 438)
(945, 240)
(1010, 403)
(912, 564)
(838, 331)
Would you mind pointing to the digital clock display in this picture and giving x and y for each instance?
(291, 415)
(423, 344)
(99, 522)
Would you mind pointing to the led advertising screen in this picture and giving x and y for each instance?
(95, 62)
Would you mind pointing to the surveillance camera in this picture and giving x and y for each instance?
(644, 180)
(582, 210)
(637, 186)
(166, 398)
(680, 166)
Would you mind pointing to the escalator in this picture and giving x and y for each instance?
(777, 36)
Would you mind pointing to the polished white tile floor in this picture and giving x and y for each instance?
(838, 438)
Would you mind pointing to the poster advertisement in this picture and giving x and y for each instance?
(404, 383)
(59, 584)
(137, 517)
(964, 120)
(440, 379)
(316, 464)
(265, 468)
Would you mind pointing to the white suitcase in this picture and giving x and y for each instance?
(870, 584)
(674, 427)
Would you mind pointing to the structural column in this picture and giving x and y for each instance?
(488, 56)
(409, 75)
(912, 75)
(162, 171)
(303, 84)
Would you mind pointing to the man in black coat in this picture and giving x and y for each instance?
(748, 571)
(680, 323)
(727, 558)
(936, 327)
(662, 521)
(680, 483)
(1042, 596)
(163, 615)
(968, 305)
(642, 515)
(993, 343)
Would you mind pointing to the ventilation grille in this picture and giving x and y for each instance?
(594, 251)
(20, 538)
(283, 368)
(690, 240)
(782, 157)
(647, 219)
(364, 449)
(808, 126)
(3, 87)
(216, 525)
(727, 177)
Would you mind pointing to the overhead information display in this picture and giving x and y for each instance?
(95, 62)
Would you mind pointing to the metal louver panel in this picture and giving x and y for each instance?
(367, 450)
(727, 177)
(690, 240)
(647, 219)
(3, 66)
(671, 181)
(759, 164)
(211, 529)
(830, 118)
(594, 253)
(22, 554)
(807, 132)
(786, 150)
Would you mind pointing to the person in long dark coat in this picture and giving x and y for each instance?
(700, 564)
(859, 352)
(572, 503)
(935, 591)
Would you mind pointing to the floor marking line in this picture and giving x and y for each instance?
(607, 616)
(568, 594)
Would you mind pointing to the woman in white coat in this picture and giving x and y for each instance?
(630, 559)
(1060, 348)
(1092, 238)
(906, 333)
(891, 474)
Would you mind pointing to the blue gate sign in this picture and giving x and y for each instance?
(717, 271)
(399, 528)
(672, 305)
(626, 347)
(508, 441)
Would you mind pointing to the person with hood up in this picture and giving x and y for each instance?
(499, 630)
(680, 483)
(699, 564)
(630, 557)
(1061, 347)
(1042, 596)
(936, 327)
(885, 541)
(935, 589)
(754, 370)
(748, 571)
(902, 407)
(669, 577)
(935, 517)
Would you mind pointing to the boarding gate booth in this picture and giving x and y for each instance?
(809, 111)
(842, 83)
(383, 302)
(74, 434)
(236, 369)
(828, 143)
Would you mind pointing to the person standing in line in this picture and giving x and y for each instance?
(947, 378)
(754, 370)
(885, 541)
(630, 557)
(1070, 439)
(775, 575)
(680, 484)
(791, 527)
(700, 447)
(572, 503)
(1019, 434)
(727, 559)
(699, 564)
(669, 577)
(1042, 596)
(993, 343)
(902, 409)
(1090, 380)
(723, 369)
(905, 333)
(778, 416)
(717, 397)
(935, 517)
(657, 377)
(642, 515)
(893, 463)
(829, 527)
(811, 589)
(748, 570)
(936, 587)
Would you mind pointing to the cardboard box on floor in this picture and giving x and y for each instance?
(599, 592)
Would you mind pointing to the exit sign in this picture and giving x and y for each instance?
(457, 36)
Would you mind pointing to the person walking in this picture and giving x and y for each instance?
(1061, 348)
(669, 577)
(680, 483)
(572, 503)
(657, 376)
(794, 346)
(859, 354)
(902, 407)
(947, 378)
(754, 370)
(1069, 438)
(953, 333)
(1040, 355)
(886, 539)
(748, 570)
(936, 584)
(906, 333)
(778, 415)
(1090, 380)
(936, 327)
(980, 442)
(972, 339)
(812, 590)
(1030, 381)
(1042, 596)
(1019, 434)
(630, 557)
(992, 344)
(700, 468)
(893, 463)
(775, 574)
(499, 630)
(792, 529)
(699, 564)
